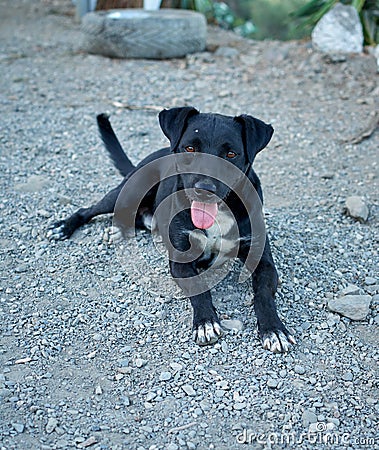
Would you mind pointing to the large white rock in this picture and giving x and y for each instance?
(339, 31)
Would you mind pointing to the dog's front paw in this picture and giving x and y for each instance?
(59, 231)
(277, 341)
(207, 333)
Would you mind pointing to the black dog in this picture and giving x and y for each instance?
(203, 207)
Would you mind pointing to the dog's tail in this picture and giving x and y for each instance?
(113, 146)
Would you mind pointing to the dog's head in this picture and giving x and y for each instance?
(193, 135)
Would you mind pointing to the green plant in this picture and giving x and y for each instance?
(368, 11)
(221, 14)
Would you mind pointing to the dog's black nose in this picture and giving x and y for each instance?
(205, 190)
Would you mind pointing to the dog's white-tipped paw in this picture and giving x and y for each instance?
(277, 342)
(207, 334)
(57, 232)
(115, 235)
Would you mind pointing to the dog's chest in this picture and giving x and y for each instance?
(220, 241)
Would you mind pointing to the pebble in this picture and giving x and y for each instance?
(176, 367)
(299, 369)
(140, 362)
(357, 208)
(226, 52)
(347, 376)
(369, 281)
(189, 390)
(223, 384)
(224, 347)
(19, 427)
(272, 383)
(52, 423)
(205, 405)
(172, 446)
(150, 396)
(351, 289)
(308, 417)
(88, 442)
(165, 376)
(230, 324)
(238, 406)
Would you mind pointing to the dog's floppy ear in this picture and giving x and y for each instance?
(173, 122)
(256, 135)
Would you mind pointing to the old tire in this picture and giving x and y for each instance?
(136, 33)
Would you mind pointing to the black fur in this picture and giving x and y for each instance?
(206, 134)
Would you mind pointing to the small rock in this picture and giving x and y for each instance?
(230, 324)
(165, 376)
(356, 208)
(117, 278)
(272, 383)
(205, 405)
(347, 376)
(140, 362)
(21, 269)
(176, 367)
(224, 347)
(350, 289)
(334, 421)
(172, 446)
(299, 369)
(126, 401)
(373, 289)
(150, 396)
(369, 281)
(124, 370)
(19, 427)
(123, 363)
(308, 417)
(219, 393)
(355, 307)
(88, 442)
(238, 406)
(52, 423)
(223, 384)
(189, 390)
(227, 52)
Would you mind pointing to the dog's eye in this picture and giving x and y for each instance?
(190, 149)
(231, 155)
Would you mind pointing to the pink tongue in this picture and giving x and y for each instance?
(203, 215)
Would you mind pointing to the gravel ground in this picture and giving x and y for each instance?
(96, 348)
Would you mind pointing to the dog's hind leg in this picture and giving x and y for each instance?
(63, 229)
